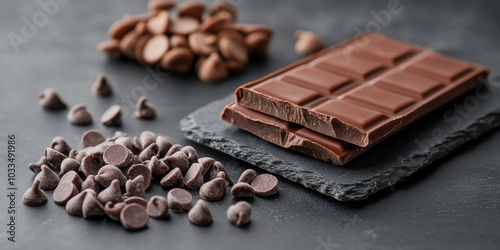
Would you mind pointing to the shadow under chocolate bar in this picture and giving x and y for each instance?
(291, 136)
(362, 90)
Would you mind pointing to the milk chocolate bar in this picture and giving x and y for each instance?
(362, 90)
(292, 136)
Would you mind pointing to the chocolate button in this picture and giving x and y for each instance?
(158, 168)
(92, 138)
(265, 185)
(121, 27)
(134, 217)
(199, 43)
(159, 5)
(49, 99)
(214, 24)
(247, 176)
(223, 7)
(242, 190)
(178, 60)
(192, 9)
(74, 205)
(147, 138)
(184, 26)
(64, 192)
(159, 23)
(118, 155)
(140, 169)
(155, 48)
(136, 200)
(257, 44)
(177, 41)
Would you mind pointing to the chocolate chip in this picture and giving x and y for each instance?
(191, 154)
(54, 157)
(74, 205)
(134, 217)
(184, 26)
(242, 190)
(159, 23)
(265, 185)
(79, 115)
(111, 48)
(249, 29)
(213, 69)
(48, 179)
(91, 207)
(37, 167)
(192, 9)
(144, 110)
(257, 44)
(73, 177)
(140, 169)
(177, 41)
(112, 117)
(178, 160)
(135, 187)
(92, 138)
(61, 145)
(214, 171)
(127, 142)
(101, 87)
(34, 196)
(79, 155)
(158, 5)
(64, 192)
(239, 213)
(307, 42)
(206, 163)
(157, 207)
(118, 155)
(49, 99)
(179, 200)
(113, 210)
(193, 178)
(120, 28)
(158, 168)
(147, 138)
(155, 48)
(222, 6)
(90, 183)
(91, 163)
(164, 145)
(109, 173)
(136, 200)
(213, 190)
(128, 44)
(111, 193)
(232, 49)
(224, 176)
(247, 176)
(234, 66)
(214, 24)
(178, 60)
(200, 214)
(199, 45)
(69, 164)
(174, 149)
(173, 179)
(139, 48)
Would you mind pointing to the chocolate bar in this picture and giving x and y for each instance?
(362, 90)
(292, 136)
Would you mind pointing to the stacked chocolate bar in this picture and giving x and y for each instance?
(337, 103)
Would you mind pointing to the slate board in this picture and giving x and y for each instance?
(416, 146)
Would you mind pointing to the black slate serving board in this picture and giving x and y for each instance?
(416, 146)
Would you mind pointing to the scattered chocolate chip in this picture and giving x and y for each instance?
(155, 48)
(199, 43)
(222, 6)
(214, 171)
(34, 196)
(135, 187)
(113, 210)
(173, 179)
(144, 110)
(206, 163)
(101, 87)
(232, 49)
(73, 177)
(184, 26)
(128, 44)
(178, 60)
(247, 176)
(214, 24)
(192, 9)
(159, 23)
(164, 145)
(257, 44)
(200, 214)
(61, 145)
(74, 205)
(136, 200)
(179, 200)
(157, 207)
(191, 154)
(111, 48)
(67, 165)
(242, 190)
(128, 143)
(79, 115)
(91, 163)
(224, 176)
(111, 193)
(134, 217)
(54, 157)
(49, 99)
(120, 28)
(147, 138)
(37, 167)
(159, 5)
(91, 207)
(112, 117)
(177, 41)
(48, 179)
(158, 168)
(194, 178)
(118, 155)
(265, 185)
(307, 42)
(213, 69)
(109, 173)
(90, 183)
(239, 213)
(213, 190)
(92, 138)
(178, 160)
(140, 169)
(174, 149)
(64, 192)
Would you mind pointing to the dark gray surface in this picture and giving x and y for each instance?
(452, 204)
(401, 155)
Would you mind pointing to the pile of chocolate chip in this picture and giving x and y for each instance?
(212, 46)
(110, 176)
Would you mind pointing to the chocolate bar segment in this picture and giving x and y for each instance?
(292, 136)
(361, 93)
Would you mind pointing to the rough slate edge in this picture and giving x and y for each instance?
(340, 191)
